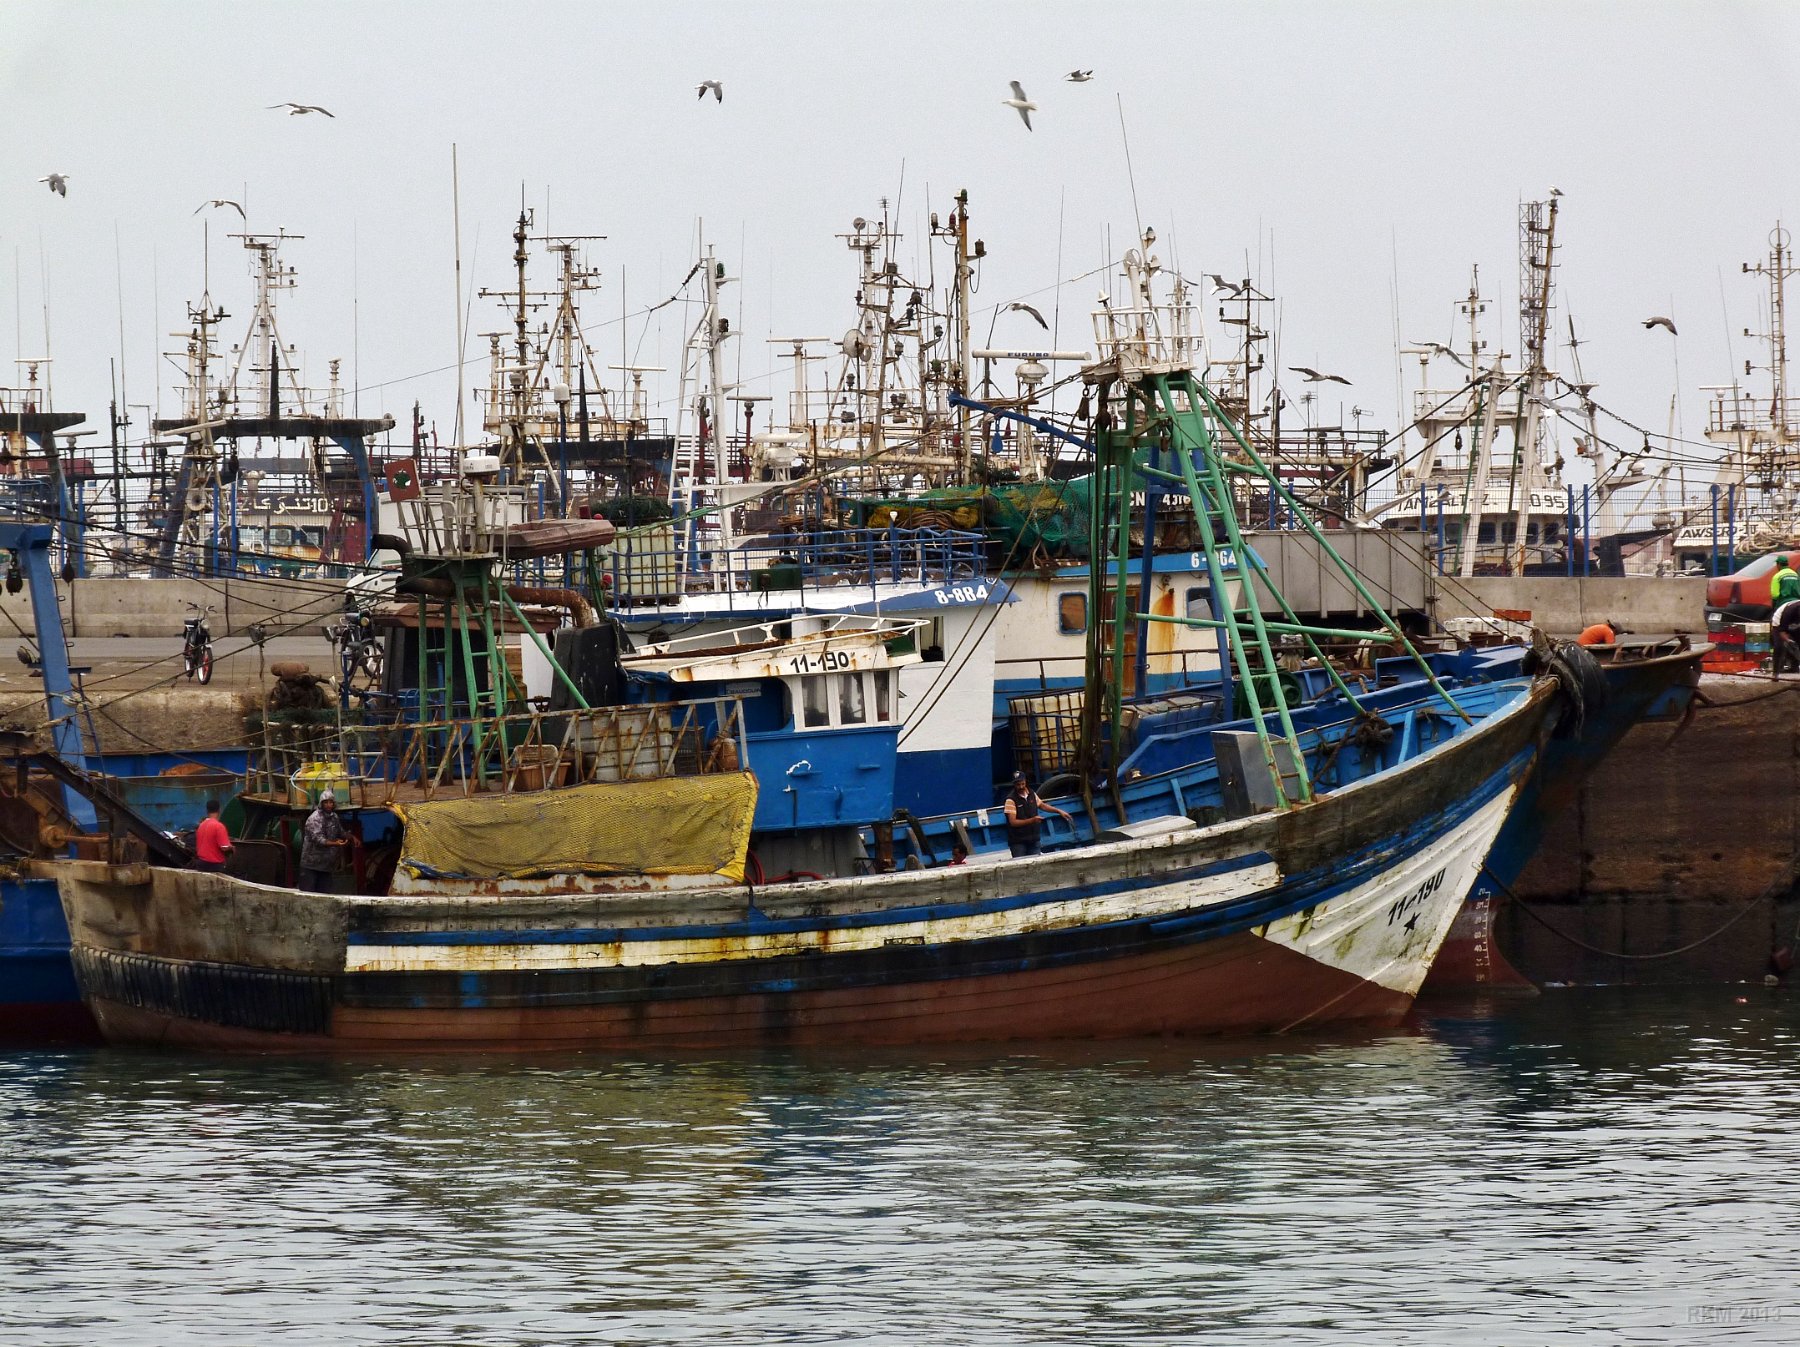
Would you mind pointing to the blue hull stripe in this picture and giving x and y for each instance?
(1295, 894)
(761, 925)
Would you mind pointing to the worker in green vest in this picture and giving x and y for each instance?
(1784, 584)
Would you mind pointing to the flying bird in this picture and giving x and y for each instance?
(1230, 287)
(1438, 348)
(59, 183)
(301, 109)
(1314, 377)
(1079, 76)
(1025, 106)
(221, 201)
(717, 89)
(1026, 308)
(1662, 322)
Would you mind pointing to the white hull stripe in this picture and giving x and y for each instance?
(1161, 900)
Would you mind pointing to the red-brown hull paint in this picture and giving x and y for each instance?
(1237, 984)
(1470, 958)
(48, 1024)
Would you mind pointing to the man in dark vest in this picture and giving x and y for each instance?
(1024, 817)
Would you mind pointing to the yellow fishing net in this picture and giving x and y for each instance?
(697, 825)
(928, 514)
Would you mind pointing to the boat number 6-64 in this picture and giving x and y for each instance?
(963, 594)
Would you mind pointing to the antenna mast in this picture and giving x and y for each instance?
(1537, 279)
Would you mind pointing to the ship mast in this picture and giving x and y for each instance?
(700, 457)
(957, 232)
(1759, 440)
(1537, 270)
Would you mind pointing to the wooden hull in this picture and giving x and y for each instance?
(1327, 914)
(1238, 984)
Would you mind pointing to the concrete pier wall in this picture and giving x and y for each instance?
(145, 607)
(1562, 604)
(177, 719)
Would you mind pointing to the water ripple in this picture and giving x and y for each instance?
(1584, 1165)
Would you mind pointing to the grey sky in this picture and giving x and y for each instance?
(1322, 140)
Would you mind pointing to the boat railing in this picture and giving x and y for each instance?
(22, 402)
(26, 498)
(1054, 672)
(644, 567)
(1146, 337)
(828, 630)
(1733, 411)
(408, 761)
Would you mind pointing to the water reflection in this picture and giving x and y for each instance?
(1583, 1161)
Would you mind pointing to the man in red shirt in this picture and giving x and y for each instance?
(212, 844)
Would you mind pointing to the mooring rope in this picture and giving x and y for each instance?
(1777, 887)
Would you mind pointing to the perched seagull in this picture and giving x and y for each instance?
(1438, 348)
(59, 183)
(1662, 322)
(1556, 191)
(1025, 106)
(1314, 377)
(1026, 308)
(301, 109)
(1079, 76)
(718, 90)
(220, 201)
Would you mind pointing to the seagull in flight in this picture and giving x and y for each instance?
(717, 89)
(1662, 322)
(1018, 100)
(1079, 76)
(1228, 287)
(59, 183)
(1314, 377)
(1026, 308)
(221, 201)
(1438, 348)
(301, 109)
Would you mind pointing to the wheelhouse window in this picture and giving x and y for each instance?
(852, 709)
(883, 695)
(1071, 613)
(815, 697)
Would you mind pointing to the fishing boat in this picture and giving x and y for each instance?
(1310, 882)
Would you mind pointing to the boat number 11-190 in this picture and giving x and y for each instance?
(1407, 906)
(825, 661)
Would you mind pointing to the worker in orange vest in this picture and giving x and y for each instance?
(1601, 633)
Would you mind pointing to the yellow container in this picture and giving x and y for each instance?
(314, 777)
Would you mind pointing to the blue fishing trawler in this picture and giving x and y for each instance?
(623, 913)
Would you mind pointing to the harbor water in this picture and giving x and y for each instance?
(1582, 1165)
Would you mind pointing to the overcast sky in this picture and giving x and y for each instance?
(1339, 147)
